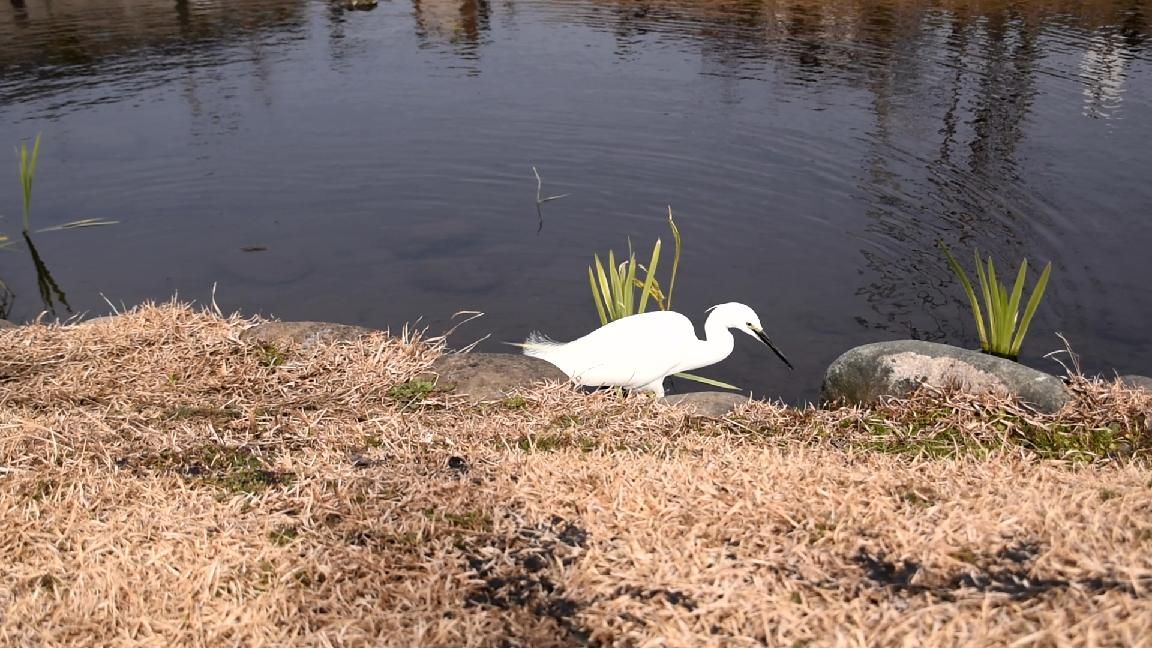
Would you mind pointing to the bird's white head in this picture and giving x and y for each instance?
(734, 315)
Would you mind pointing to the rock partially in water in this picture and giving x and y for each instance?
(490, 376)
(710, 404)
(1137, 382)
(866, 373)
(5, 324)
(303, 334)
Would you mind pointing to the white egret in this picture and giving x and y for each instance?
(640, 351)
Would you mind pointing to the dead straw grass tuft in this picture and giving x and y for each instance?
(163, 482)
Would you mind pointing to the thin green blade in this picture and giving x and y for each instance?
(675, 259)
(968, 290)
(86, 222)
(996, 318)
(649, 277)
(1003, 319)
(987, 291)
(629, 283)
(1030, 309)
(1014, 301)
(614, 286)
(27, 176)
(707, 381)
(35, 157)
(596, 298)
(605, 291)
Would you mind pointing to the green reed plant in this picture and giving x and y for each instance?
(614, 288)
(999, 324)
(49, 290)
(28, 161)
(618, 290)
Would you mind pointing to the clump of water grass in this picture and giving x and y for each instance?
(614, 289)
(618, 291)
(999, 324)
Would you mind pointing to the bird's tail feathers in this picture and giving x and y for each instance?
(536, 338)
(535, 343)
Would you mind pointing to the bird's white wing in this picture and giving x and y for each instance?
(630, 352)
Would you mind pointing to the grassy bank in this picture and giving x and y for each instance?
(163, 482)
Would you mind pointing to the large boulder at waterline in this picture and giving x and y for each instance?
(710, 404)
(869, 372)
(490, 376)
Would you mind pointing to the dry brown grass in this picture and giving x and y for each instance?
(163, 483)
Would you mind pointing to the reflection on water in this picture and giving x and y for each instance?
(461, 23)
(1103, 67)
(129, 46)
(966, 189)
(390, 153)
(50, 291)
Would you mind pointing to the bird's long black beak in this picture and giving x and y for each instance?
(764, 338)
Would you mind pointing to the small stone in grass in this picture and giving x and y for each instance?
(485, 377)
(305, 334)
(710, 404)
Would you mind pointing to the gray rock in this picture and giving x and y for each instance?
(1138, 382)
(304, 334)
(5, 324)
(711, 404)
(490, 376)
(866, 373)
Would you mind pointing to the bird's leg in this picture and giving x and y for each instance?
(656, 387)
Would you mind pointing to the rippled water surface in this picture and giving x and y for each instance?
(376, 167)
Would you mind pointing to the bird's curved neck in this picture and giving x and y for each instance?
(716, 345)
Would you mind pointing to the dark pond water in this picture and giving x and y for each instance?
(377, 166)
